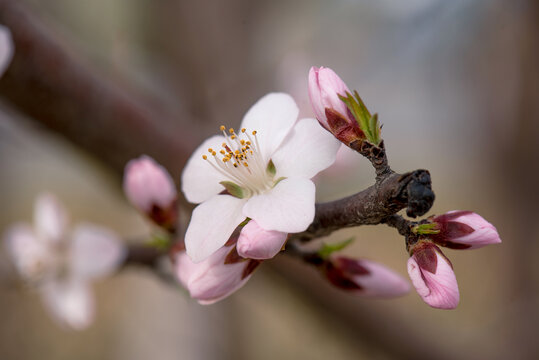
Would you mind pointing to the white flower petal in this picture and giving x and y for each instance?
(50, 218)
(95, 251)
(211, 225)
(30, 256)
(289, 207)
(272, 117)
(70, 302)
(307, 149)
(6, 48)
(200, 180)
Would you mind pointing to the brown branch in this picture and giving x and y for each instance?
(53, 86)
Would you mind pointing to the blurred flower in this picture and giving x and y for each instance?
(150, 188)
(61, 265)
(464, 230)
(6, 48)
(364, 277)
(257, 243)
(432, 276)
(262, 173)
(216, 277)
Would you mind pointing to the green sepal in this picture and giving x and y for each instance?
(367, 123)
(270, 169)
(327, 249)
(234, 189)
(278, 181)
(244, 222)
(426, 229)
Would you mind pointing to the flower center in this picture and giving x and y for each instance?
(240, 160)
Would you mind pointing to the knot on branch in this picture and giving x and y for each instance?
(416, 190)
(376, 155)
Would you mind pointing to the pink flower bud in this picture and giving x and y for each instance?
(365, 277)
(150, 188)
(257, 243)
(433, 277)
(464, 230)
(324, 89)
(216, 277)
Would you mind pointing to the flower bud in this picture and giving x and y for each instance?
(432, 276)
(364, 277)
(216, 277)
(325, 86)
(464, 230)
(257, 243)
(150, 188)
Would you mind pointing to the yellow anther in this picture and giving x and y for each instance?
(214, 153)
(225, 159)
(223, 144)
(204, 157)
(242, 142)
(222, 152)
(235, 164)
(233, 137)
(243, 130)
(248, 143)
(231, 130)
(222, 128)
(245, 164)
(237, 152)
(210, 150)
(254, 132)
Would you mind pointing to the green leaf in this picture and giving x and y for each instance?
(426, 229)
(270, 169)
(234, 189)
(367, 123)
(327, 249)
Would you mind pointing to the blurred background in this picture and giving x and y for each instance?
(455, 83)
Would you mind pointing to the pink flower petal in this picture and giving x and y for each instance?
(256, 243)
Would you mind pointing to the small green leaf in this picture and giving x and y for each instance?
(426, 229)
(367, 123)
(234, 189)
(270, 169)
(327, 249)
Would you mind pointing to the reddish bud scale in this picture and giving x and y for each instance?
(343, 129)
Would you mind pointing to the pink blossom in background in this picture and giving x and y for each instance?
(365, 277)
(60, 264)
(256, 243)
(273, 175)
(433, 277)
(464, 230)
(150, 188)
(6, 49)
(212, 279)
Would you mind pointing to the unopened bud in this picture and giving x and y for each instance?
(150, 188)
(432, 276)
(364, 277)
(464, 230)
(214, 278)
(255, 242)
